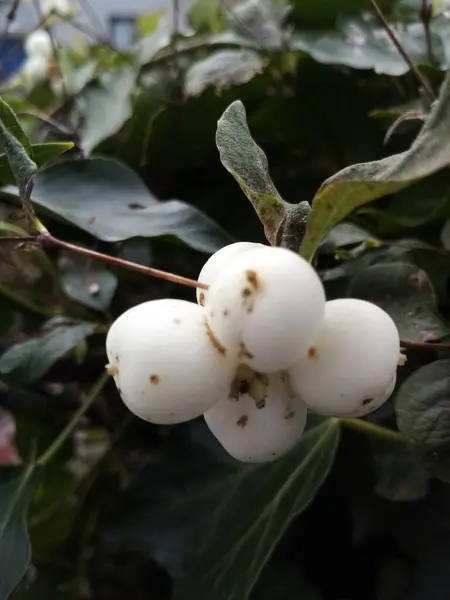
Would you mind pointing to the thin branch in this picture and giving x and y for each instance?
(426, 12)
(426, 346)
(58, 442)
(423, 81)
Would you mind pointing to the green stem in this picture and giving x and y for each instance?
(26, 304)
(55, 446)
(372, 429)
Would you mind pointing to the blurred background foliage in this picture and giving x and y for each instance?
(128, 509)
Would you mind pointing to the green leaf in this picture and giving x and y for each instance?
(361, 43)
(360, 184)
(89, 285)
(423, 416)
(17, 485)
(20, 163)
(108, 200)
(206, 16)
(29, 361)
(147, 24)
(42, 153)
(106, 106)
(245, 160)
(13, 126)
(217, 540)
(223, 69)
(406, 294)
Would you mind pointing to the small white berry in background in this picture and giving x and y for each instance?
(39, 44)
(166, 363)
(350, 369)
(219, 261)
(270, 304)
(34, 71)
(61, 8)
(258, 429)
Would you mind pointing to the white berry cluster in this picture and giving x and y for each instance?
(260, 347)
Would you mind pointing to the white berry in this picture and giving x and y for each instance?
(352, 365)
(39, 43)
(253, 429)
(166, 363)
(270, 304)
(34, 71)
(219, 261)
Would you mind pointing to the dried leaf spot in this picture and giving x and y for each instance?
(201, 299)
(242, 421)
(252, 278)
(136, 206)
(367, 401)
(214, 341)
(154, 379)
(312, 352)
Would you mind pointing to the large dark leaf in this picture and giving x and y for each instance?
(423, 416)
(108, 200)
(405, 292)
(215, 524)
(362, 183)
(17, 485)
(29, 361)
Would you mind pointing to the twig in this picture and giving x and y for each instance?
(10, 18)
(426, 12)
(423, 81)
(72, 424)
(426, 346)
(45, 240)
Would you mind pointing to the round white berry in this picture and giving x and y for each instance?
(352, 364)
(270, 304)
(166, 363)
(261, 426)
(219, 261)
(39, 43)
(34, 71)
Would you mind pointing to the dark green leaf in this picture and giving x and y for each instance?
(21, 165)
(241, 156)
(12, 125)
(359, 184)
(17, 485)
(89, 285)
(218, 538)
(423, 416)
(106, 106)
(400, 472)
(361, 43)
(344, 234)
(29, 361)
(405, 292)
(108, 200)
(223, 69)
(42, 153)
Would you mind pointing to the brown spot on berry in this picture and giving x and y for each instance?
(211, 314)
(117, 359)
(312, 352)
(154, 379)
(201, 299)
(246, 292)
(225, 313)
(242, 421)
(177, 321)
(243, 352)
(260, 403)
(214, 341)
(112, 370)
(367, 401)
(252, 278)
(244, 387)
(289, 414)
